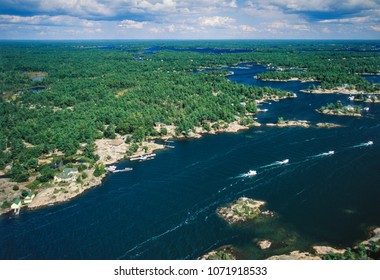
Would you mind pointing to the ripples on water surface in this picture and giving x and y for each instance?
(165, 208)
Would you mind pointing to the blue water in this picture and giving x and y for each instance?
(165, 208)
(373, 78)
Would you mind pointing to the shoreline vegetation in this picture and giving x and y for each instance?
(339, 90)
(244, 210)
(301, 123)
(338, 109)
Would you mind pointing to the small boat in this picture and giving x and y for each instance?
(251, 173)
(331, 152)
(370, 143)
(366, 109)
(110, 168)
(285, 161)
(351, 98)
(264, 110)
(122, 170)
(143, 157)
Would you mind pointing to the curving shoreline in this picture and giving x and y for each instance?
(110, 151)
(338, 90)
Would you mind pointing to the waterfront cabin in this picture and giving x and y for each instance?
(29, 198)
(67, 175)
(16, 205)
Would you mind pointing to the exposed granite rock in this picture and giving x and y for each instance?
(287, 123)
(328, 125)
(325, 250)
(264, 244)
(295, 255)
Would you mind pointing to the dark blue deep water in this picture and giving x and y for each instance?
(165, 208)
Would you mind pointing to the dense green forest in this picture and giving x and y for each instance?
(92, 90)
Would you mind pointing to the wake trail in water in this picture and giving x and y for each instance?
(277, 164)
(153, 238)
(369, 143)
(329, 153)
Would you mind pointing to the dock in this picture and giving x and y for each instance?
(122, 170)
(143, 157)
(113, 169)
(169, 146)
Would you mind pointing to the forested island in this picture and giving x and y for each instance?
(338, 109)
(69, 108)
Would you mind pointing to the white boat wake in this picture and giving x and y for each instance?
(329, 153)
(369, 143)
(280, 162)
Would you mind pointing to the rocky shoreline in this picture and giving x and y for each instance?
(316, 252)
(338, 113)
(302, 123)
(290, 123)
(110, 151)
(338, 90)
(242, 210)
(293, 79)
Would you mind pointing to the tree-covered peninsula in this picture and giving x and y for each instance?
(59, 98)
(66, 106)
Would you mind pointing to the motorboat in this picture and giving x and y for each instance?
(285, 161)
(111, 168)
(251, 173)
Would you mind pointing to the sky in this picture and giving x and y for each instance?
(189, 19)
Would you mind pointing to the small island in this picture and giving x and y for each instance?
(242, 210)
(338, 109)
(366, 98)
(328, 125)
(290, 123)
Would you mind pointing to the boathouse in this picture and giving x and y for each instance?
(16, 205)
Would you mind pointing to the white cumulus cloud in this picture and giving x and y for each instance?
(215, 21)
(132, 24)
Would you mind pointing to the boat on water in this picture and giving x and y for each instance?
(351, 98)
(285, 161)
(330, 153)
(366, 109)
(110, 168)
(122, 170)
(251, 173)
(264, 110)
(370, 143)
(143, 157)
